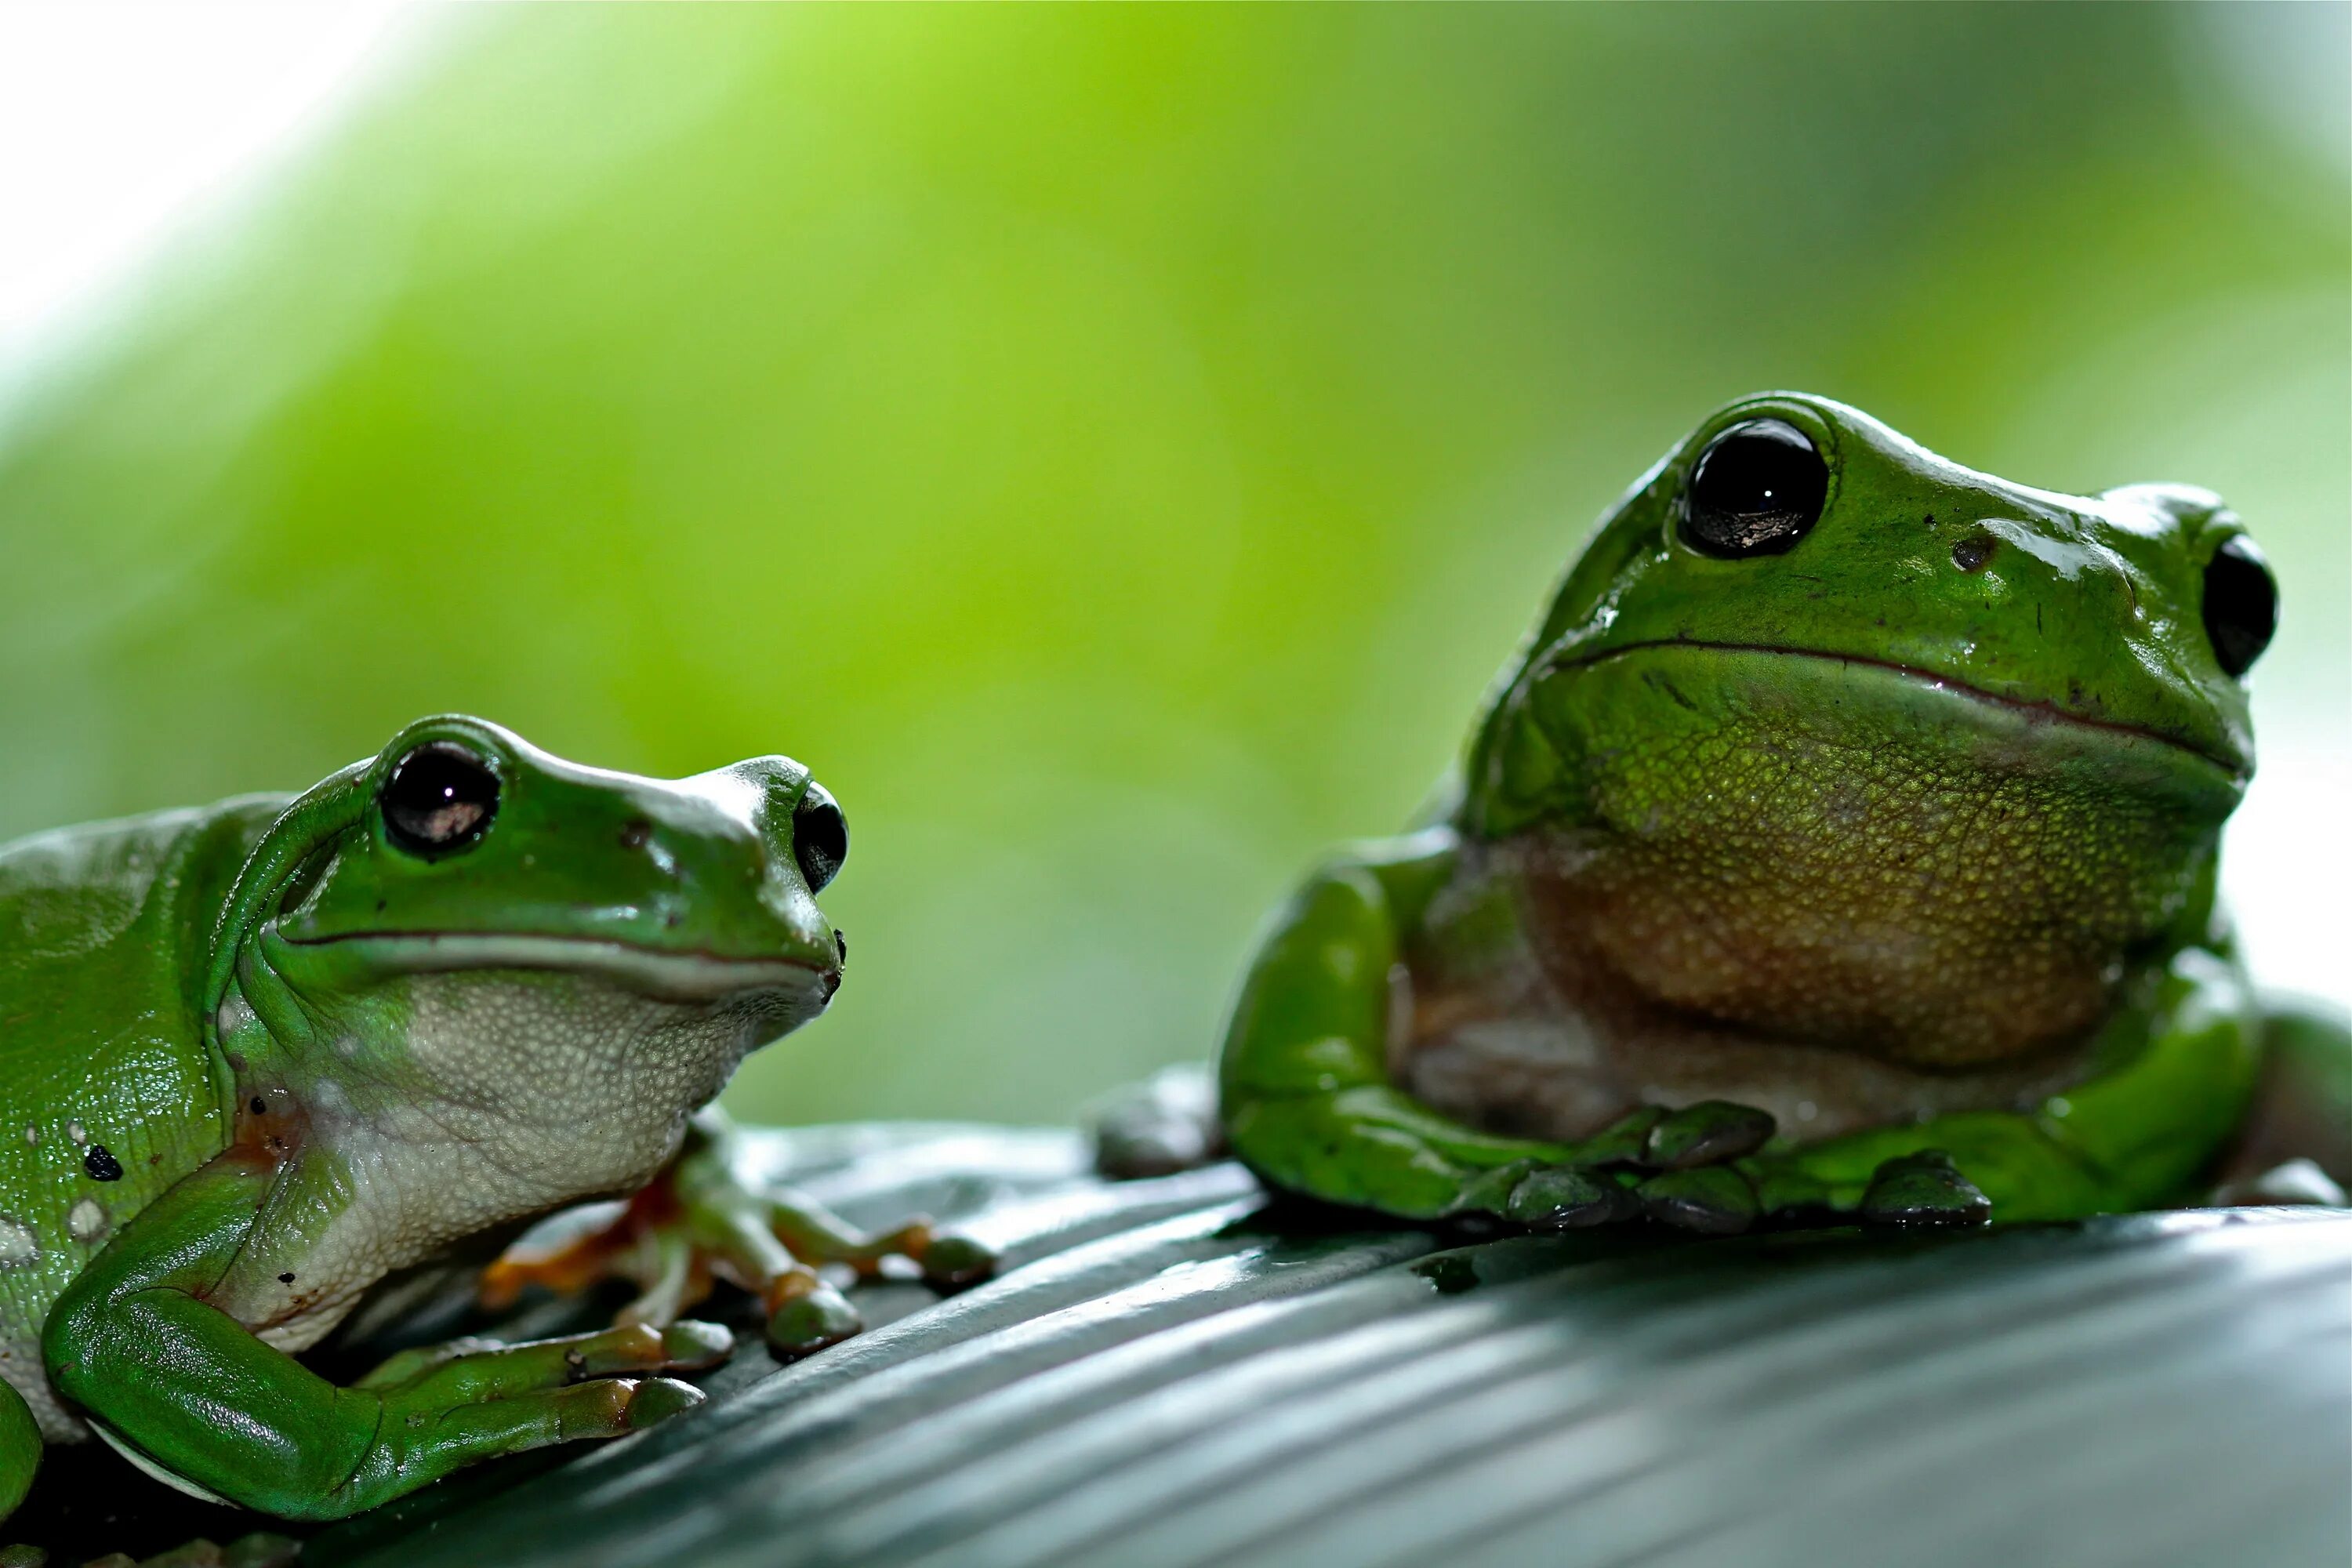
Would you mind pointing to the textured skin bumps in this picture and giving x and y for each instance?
(1834, 852)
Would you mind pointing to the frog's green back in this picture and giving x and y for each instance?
(108, 1091)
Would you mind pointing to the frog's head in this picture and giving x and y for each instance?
(1798, 526)
(465, 918)
(1827, 690)
(474, 849)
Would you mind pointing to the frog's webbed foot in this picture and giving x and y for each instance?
(1676, 1167)
(1702, 1169)
(1162, 1125)
(1920, 1190)
(699, 1222)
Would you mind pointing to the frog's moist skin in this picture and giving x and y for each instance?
(1848, 804)
(256, 1057)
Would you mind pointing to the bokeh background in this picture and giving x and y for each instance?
(1114, 447)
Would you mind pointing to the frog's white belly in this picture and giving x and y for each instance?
(512, 1096)
(1556, 1077)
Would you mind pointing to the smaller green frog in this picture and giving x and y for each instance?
(1843, 844)
(258, 1060)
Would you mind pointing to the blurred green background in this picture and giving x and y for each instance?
(1114, 447)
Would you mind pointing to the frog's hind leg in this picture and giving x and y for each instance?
(706, 1219)
(137, 1342)
(20, 1448)
(2297, 1144)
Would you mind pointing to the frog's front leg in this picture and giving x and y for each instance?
(2147, 1133)
(1307, 1102)
(701, 1220)
(190, 1392)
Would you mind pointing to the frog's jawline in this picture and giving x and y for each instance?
(2044, 710)
(673, 972)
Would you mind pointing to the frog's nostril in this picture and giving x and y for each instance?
(635, 831)
(840, 945)
(1971, 554)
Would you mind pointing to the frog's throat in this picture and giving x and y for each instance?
(2042, 709)
(669, 974)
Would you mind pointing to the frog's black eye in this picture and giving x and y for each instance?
(819, 837)
(438, 799)
(1756, 490)
(2241, 605)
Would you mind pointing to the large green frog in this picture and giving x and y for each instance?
(258, 1058)
(1841, 843)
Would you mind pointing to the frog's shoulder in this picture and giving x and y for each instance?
(104, 928)
(72, 894)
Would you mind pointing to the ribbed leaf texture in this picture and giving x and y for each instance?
(1172, 1373)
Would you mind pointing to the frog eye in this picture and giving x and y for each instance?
(819, 837)
(2241, 605)
(1756, 490)
(438, 799)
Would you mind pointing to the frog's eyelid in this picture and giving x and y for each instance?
(1821, 430)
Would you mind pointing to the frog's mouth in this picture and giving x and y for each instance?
(2034, 710)
(677, 974)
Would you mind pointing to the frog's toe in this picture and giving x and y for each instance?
(654, 1400)
(1625, 1142)
(1564, 1197)
(692, 1345)
(805, 1315)
(1925, 1189)
(1707, 1133)
(1485, 1197)
(1713, 1200)
(1165, 1124)
(952, 1262)
(685, 1345)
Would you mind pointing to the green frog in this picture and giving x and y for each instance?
(260, 1059)
(1841, 846)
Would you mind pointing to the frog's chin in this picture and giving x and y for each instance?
(1925, 688)
(666, 973)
